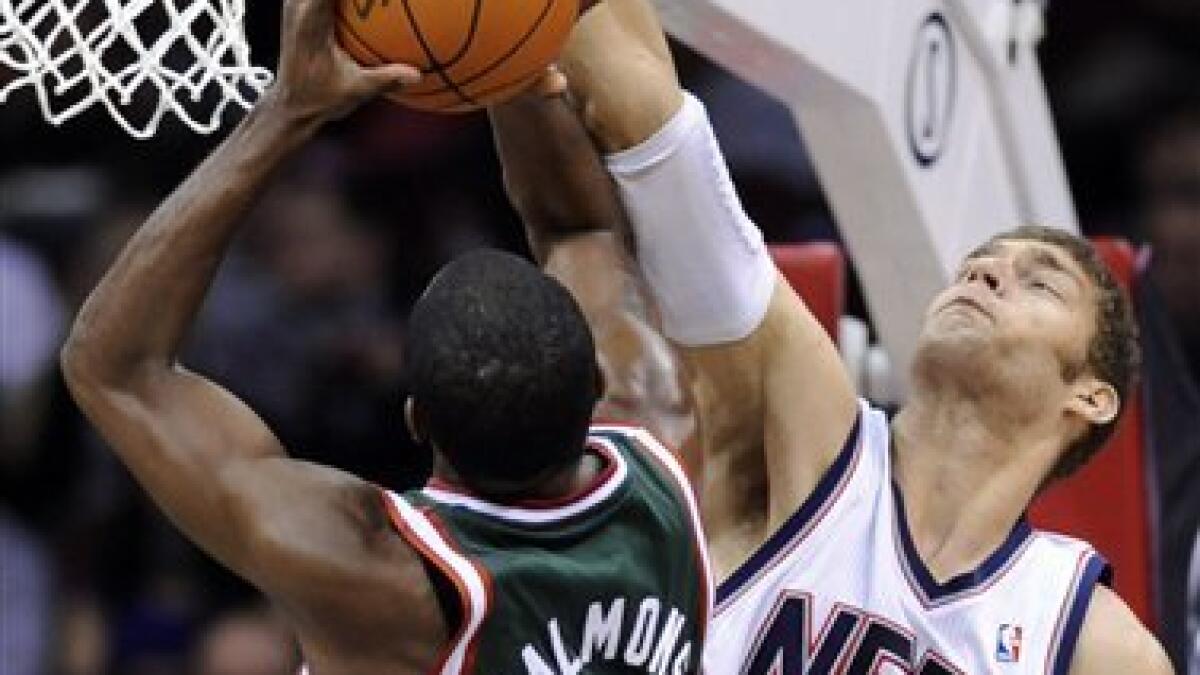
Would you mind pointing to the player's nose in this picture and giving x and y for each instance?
(990, 273)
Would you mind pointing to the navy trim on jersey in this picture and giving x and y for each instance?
(1097, 571)
(813, 505)
(963, 584)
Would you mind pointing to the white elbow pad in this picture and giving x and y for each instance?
(702, 256)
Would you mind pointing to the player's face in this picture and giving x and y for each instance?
(1022, 305)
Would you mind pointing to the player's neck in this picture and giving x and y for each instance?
(967, 475)
(550, 486)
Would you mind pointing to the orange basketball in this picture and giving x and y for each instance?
(473, 52)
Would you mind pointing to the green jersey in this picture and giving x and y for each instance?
(614, 579)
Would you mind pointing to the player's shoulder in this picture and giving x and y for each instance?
(1113, 640)
(392, 538)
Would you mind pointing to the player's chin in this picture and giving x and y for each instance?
(954, 342)
(957, 324)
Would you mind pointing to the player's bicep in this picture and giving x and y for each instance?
(1113, 641)
(810, 404)
(308, 533)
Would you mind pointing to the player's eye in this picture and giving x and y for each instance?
(1042, 286)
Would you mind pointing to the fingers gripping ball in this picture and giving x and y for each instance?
(473, 53)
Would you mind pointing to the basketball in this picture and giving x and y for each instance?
(473, 53)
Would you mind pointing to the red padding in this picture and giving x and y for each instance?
(817, 272)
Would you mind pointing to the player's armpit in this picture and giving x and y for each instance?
(1113, 641)
(320, 543)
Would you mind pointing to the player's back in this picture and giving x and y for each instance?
(840, 588)
(610, 580)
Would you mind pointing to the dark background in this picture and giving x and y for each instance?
(307, 319)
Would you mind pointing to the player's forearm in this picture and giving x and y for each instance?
(141, 309)
(621, 71)
(552, 173)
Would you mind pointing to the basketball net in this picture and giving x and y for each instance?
(139, 59)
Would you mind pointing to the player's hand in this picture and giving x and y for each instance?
(551, 84)
(317, 80)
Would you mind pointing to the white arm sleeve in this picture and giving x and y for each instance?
(702, 256)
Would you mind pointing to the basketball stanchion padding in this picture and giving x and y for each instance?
(141, 60)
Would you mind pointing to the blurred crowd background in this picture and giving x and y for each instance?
(306, 321)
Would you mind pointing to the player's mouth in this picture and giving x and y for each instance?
(966, 301)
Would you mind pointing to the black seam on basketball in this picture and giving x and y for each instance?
(489, 69)
(512, 50)
(471, 32)
(362, 42)
(477, 94)
(437, 68)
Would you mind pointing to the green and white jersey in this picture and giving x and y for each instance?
(614, 579)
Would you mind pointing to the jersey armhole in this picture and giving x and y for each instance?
(463, 581)
(803, 520)
(1094, 570)
(447, 596)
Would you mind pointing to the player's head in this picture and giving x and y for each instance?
(503, 372)
(1036, 314)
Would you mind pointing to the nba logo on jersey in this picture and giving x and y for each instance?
(1008, 643)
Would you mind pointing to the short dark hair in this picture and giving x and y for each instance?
(1113, 353)
(502, 368)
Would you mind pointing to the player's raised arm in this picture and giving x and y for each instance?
(579, 233)
(208, 461)
(766, 374)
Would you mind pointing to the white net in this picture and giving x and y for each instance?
(142, 60)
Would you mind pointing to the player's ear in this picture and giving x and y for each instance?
(415, 421)
(1094, 400)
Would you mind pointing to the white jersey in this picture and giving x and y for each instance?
(839, 588)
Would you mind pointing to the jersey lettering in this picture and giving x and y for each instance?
(860, 642)
(645, 640)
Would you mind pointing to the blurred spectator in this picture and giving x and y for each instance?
(1194, 611)
(300, 324)
(32, 319)
(153, 634)
(1170, 181)
(83, 639)
(1173, 447)
(245, 642)
(1169, 317)
(24, 601)
(31, 323)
